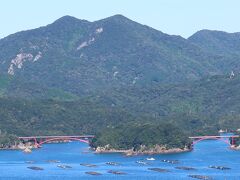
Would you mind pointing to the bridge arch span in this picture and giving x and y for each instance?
(69, 138)
(226, 141)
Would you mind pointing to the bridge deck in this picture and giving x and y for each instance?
(202, 137)
(43, 137)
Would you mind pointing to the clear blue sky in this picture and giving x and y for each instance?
(180, 17)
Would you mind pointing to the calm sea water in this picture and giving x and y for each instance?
(206, 153)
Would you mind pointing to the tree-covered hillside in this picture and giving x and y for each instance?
(209, 103)
(201, 107)
(134, 136)
(83, 57)
(50, 117)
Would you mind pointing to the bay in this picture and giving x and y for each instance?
(13, 164)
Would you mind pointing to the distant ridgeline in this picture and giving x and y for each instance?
(95, 77)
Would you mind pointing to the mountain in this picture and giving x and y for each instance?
(225, 46)
(217, 41)
(74, 75)
(79, 57)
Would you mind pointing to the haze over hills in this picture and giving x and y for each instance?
(56, 78)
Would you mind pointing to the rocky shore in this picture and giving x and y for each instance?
(157, 149)
(26, 147)
(234, 147)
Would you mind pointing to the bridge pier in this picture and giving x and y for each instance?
(232, 141)
(36, 142)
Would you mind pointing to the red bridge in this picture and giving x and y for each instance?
(39, 140)
(225, 139)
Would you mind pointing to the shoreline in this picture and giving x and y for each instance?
(235, 148)
(27, 148)
(143, 151)
(29, 145)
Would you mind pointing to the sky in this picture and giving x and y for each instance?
(178, 17)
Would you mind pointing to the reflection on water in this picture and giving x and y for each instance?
(13, 164)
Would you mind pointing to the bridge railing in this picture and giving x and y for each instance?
(201, 137)
(225, 139)
(45, 137)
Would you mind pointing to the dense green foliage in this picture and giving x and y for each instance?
(6, 140)
(201, 107)
(50, 117)
(206, 105)
(129, 136)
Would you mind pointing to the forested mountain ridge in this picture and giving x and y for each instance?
(83, 57)
(217, 41)
(225, 46)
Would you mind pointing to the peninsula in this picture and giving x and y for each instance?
(135, 139)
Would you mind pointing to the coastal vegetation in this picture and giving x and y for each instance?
(7, 140)
(138, 136)
(63, 118)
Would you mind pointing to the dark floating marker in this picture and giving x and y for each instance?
(35, 168)
(220, 167)
(116, 172)
(200, 177)
(88, 165)
(158, 170)
(93, 173)
(185, 168)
